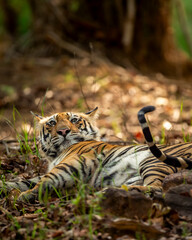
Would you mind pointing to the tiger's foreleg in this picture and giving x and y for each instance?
(21, 184)
(63, 176)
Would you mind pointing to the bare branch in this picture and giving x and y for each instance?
(129, 24)
(80, 84)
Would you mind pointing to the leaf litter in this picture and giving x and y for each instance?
(119, 93)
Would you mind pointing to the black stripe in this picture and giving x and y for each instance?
(98, 145)
(110, 177)
(159, 164)
(155, 151)
(123, 152)
(54, 175)
(85, 127)
(149, 161)
(156, 171)
(43, 148)
(172, 161)
(56, 146)
(175, 162)
(90, 173)
(61, 176)
(150, 175)
(178, 151)
(79, 139)
(52, 154)
(63, 169)
(141, 117)
(48, 176)
(86, 150)
(147, 134)
(82, 165)
(108, 158)
(63, 180)
(98, 152)
(73, 147)
(73, 170)
(90, 127)
(103, 148)
(17, 183)
(45, 136)
(141, 149)
(79, 149)
(141, 113)
(154, 180)
(28, 183)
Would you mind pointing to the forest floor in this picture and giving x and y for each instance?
(49, 85)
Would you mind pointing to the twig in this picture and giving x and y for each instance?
(14, 141)
(71, 48)
(68, 46)
(58, 14)
(98, 59)
(129, 24)
(80, 84)
(7, 148)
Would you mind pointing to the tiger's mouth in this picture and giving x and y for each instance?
(65, 137)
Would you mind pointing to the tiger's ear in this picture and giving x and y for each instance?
(93, 113)
(37, 117)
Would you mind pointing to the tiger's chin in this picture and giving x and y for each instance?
(67, 143)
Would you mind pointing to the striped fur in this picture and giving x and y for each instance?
(70, 141)
(96, 163)
(165, 160)
(57, 133)
(166, 157)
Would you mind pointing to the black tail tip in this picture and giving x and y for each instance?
(146, 110)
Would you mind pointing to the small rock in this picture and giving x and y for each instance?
(179, 198)
(176, 179)
(122, 203)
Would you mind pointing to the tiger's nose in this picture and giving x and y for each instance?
(63, 132)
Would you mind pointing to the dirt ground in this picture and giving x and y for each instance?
(49, 85)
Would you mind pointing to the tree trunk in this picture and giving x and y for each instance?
(135, 30)
(10, 17)
(152, 38)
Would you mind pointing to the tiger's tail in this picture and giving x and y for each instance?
(184, 163)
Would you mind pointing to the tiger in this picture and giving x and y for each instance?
(174, 161)
(71, 143)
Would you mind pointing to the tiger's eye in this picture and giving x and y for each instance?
(74, 120)
(51, 123)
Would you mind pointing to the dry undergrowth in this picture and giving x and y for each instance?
(50, 85)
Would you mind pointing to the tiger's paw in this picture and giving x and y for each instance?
(143, 189)
(27, 196)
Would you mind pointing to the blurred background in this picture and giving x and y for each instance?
(119, 55)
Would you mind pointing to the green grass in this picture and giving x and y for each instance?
(23, 137)
(23, 10)
(178, 32)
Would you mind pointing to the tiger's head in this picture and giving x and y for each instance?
(61, 130)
